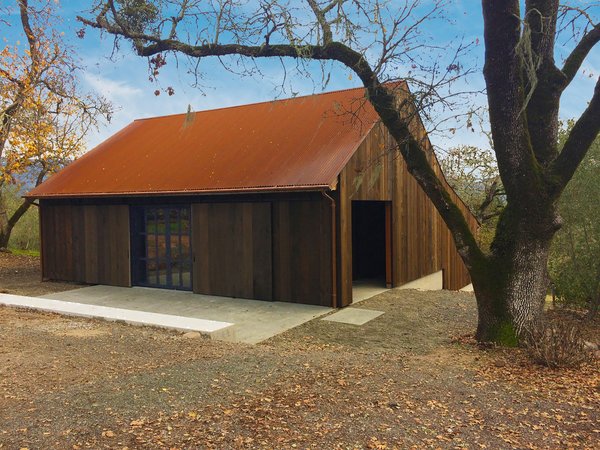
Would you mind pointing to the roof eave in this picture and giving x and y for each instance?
(188, 192)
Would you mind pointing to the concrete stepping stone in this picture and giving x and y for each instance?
(354, 316)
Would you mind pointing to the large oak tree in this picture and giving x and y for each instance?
(376, 39)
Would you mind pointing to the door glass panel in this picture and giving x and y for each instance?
(160, 221)
(176, 273)
(163, 266)
(150, 277)
(151, 246)
(185, 221)
(161, 240)
(165, 258)
(185, 247)
(173, 218)
(186, 274)
(150, 221)
(175, 246)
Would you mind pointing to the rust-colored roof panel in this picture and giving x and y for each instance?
(300, 143)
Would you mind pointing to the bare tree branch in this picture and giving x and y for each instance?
(323, 23)
(579, 53)
(397, 119)
(580, 139)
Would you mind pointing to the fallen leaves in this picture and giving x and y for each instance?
(138, 388)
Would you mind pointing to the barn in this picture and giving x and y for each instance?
(290, 200)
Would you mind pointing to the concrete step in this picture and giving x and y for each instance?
(211, 328)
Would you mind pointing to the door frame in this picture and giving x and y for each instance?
(389, 249)
(388, 238)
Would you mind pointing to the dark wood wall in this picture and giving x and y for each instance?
(232, 249)
(302, 251)
(269, 247)
(85, 243)
(421, 242)
(273, 246)
(269, 250)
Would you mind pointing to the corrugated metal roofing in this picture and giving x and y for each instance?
(299, 143)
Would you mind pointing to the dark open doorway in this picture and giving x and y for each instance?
(371, 241)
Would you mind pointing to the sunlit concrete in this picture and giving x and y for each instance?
(364, 289)
(353, 316)
(433, 282)
(252, 320)
(212, 328)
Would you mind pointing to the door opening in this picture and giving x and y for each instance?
(161, 251)
(371, 242)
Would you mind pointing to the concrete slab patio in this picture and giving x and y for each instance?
(252, 321)
(211, 328)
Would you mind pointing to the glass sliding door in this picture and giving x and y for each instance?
(161, 247)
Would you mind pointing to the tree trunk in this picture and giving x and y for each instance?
(7, 224)
(512, 283)
(4, 233)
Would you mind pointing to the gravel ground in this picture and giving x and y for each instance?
(413, 321)
(412, 378)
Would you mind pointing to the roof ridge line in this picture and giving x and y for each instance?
(252, 104)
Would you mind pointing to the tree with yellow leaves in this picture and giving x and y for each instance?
(43, 117)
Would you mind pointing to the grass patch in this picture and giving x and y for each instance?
(20, 252)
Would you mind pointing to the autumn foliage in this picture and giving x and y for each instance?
(44, 117)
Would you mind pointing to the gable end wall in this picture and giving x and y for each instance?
(421, 242)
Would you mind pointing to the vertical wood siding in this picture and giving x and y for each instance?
(273, 250)
(274, 246)
(421, 242)
(232, 249)
(85, 243)
(302, 263)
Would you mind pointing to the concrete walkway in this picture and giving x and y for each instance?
(251, 321)
(353, 316)
(212, 328)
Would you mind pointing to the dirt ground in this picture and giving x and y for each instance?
(20, 275)
(412, 378)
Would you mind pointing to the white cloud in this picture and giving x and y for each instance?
(117, 91)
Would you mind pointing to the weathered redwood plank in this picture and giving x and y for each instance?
(421, 243)
(200, 244)
(282, 277)
(262, 251)
(302, 251)
(86, 243)
(232, 248)
(388, 246)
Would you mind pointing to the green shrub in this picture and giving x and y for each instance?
(575, 258)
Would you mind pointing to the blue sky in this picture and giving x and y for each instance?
(124, 79)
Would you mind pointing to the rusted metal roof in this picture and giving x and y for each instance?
(295, 144)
